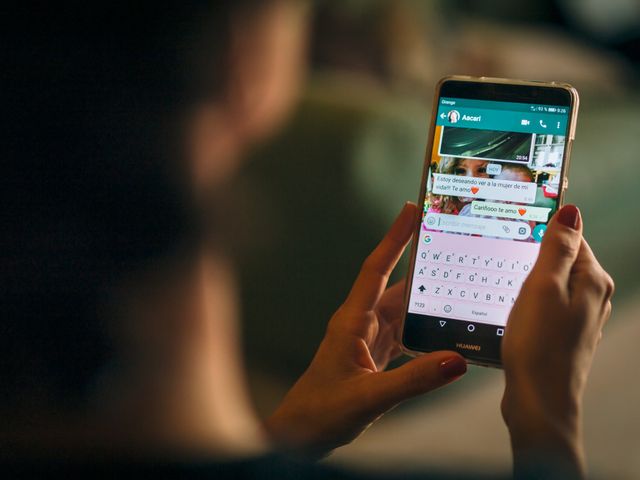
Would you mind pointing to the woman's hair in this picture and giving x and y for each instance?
(89, 192)
(448, 165)
(446, 203)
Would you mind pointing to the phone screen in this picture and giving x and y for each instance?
(494, 179)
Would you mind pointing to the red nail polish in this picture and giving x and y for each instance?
(453, 367)
(569, 216)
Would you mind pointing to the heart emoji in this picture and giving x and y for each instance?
(474, 190)
(522, 211)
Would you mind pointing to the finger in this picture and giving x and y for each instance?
(591, 287)
(420, 375)
(391, 303)
(376, 269)
(390, 312)
(560, 246)
(606, 312)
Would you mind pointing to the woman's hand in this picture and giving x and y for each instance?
(346, 388)
(549, 343)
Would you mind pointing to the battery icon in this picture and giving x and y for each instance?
(551, 109)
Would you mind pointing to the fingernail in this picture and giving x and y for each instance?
(406, 218)
(406, 206)
(453, 367)
(569, 216)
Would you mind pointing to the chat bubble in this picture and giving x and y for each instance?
(505, 210)
(494, 168)
(484, 188)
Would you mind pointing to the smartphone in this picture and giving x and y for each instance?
(495, 172)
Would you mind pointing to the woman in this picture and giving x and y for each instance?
(119, 342)
(463, 167)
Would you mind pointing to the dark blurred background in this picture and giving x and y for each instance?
(326, 189)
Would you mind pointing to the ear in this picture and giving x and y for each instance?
(265, 68)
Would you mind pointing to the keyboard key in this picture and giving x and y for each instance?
(449, 258)
(457, 275)
(484, 279)
(446, 274)
(435, 256)
(471, 277)
(450, 291)
(461, 260)
(498, 281)
(488, 296)
(510, 282)
(501, 264)
(472, 261)
(513, 265)
(487, 263)
(481, 313)
(503, 299)
(435, 308)
(475, 295)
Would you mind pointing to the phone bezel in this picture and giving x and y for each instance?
(496, 89)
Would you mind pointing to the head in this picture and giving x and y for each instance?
(465, 167)
(120, 121)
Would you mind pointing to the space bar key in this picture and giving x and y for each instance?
(481, 313)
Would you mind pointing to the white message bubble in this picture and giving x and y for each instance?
(506, 210)
(494, 169)
(484, 188)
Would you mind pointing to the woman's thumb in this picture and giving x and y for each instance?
(420, 375)
(561, 243)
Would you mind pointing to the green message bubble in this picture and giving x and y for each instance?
(507, 210)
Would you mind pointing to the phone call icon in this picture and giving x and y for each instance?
(542, 124)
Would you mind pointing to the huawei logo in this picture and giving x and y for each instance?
(467, 346)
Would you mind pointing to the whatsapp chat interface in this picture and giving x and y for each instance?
(493, 183)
